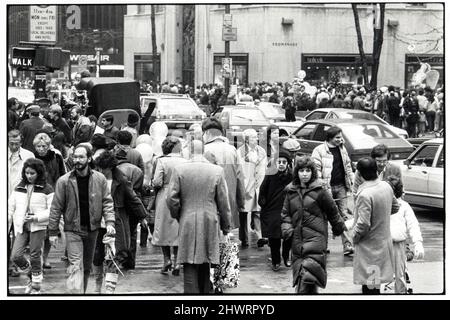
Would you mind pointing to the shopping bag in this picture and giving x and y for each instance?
(227, 272)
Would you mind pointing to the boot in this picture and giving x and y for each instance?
(176, 268)
(167, 262)
(36, 280)
(98, 277)
(111, 282)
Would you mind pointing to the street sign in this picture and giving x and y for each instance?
(227, 20)
(227, 67)
(229, 34)
(43, 23)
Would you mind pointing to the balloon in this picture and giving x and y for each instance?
(158, 129)
(432, 78)
(301, 75)
(143, 138)
(420, 75)
(411, 47)
(146, 151)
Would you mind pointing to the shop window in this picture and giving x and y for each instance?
(239, 71)
(143, 68)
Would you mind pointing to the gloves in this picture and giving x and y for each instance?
(110, 230)
(144, 223)
(110, 246)
(53, 241)
(418, 250)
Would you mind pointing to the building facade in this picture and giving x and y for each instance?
(275, 41)
(81, 29)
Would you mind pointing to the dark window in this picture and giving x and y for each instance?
(440, 162)
(240, 67)
(316, 115)
(143, 68)
(321, 133)
(425, 156)
(306, 131)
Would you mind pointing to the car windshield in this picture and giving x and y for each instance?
(177, 106)
(359, 115)
(366, 135)
(271, 110)
(247, 116)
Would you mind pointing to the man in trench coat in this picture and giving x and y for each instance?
(201, 187)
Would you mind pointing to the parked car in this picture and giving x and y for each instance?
(423, 174)
(341, 113)
(235, 119)
(360, 136)
(177, 111)
(416, 142)
(289, 127)
(273, 111)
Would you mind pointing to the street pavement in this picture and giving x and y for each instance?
(257, 277)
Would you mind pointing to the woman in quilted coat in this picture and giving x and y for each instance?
(306, 211)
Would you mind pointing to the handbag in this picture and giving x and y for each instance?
(227, 272)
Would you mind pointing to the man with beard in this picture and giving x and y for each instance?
(59, 123)
(82, 197)
(82, 130)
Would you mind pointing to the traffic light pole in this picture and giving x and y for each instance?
(227, 54)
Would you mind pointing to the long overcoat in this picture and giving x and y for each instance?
(219, 152)
(197, 198)
(166, 227)
(373, 257)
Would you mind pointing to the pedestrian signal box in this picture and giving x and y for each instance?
(40, 58)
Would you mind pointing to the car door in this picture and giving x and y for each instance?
(416, 175)
(436, 180)
(304, 136)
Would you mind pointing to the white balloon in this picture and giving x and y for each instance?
(146, 151)
(301, 75)
(143, 138)
(158, 129)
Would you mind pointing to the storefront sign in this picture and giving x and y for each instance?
(338, 59)
(430, 59)
(43, 23)
(80, 58)
(284, 44)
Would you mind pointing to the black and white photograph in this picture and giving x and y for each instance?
(223, 150)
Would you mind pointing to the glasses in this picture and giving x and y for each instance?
(282, 162)
(381, 161)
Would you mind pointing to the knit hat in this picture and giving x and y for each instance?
(285, 154)
(98, 141)
(133, 120)
(291, 145)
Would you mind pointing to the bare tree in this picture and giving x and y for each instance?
(360, 43)
(378, 30)
(154, 48)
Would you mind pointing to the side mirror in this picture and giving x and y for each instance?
(407, 162)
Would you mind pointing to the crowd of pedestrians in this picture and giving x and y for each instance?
(92, 187)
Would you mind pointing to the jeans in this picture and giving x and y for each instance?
(400, 267)
(275, 244)
(431, 117)
(133, 241)
(339, 193)
(243, 225)
(80, 253)
(36, 241)
(196, 278)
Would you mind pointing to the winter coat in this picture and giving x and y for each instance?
(15, 167)
(126, 204)
(62, 126)
(40, 202)
(218, 151)
(65, 202)
(404, 224)
(82, 131)
(371, 233)
(28, 128)
(271, 199)
(391, 169)
(133, 156)
(197, 198)
(305, 217)
(323, 158)
(111, 133)
(133, 174)
(54, 163)
(254, 168)
(166, 227)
